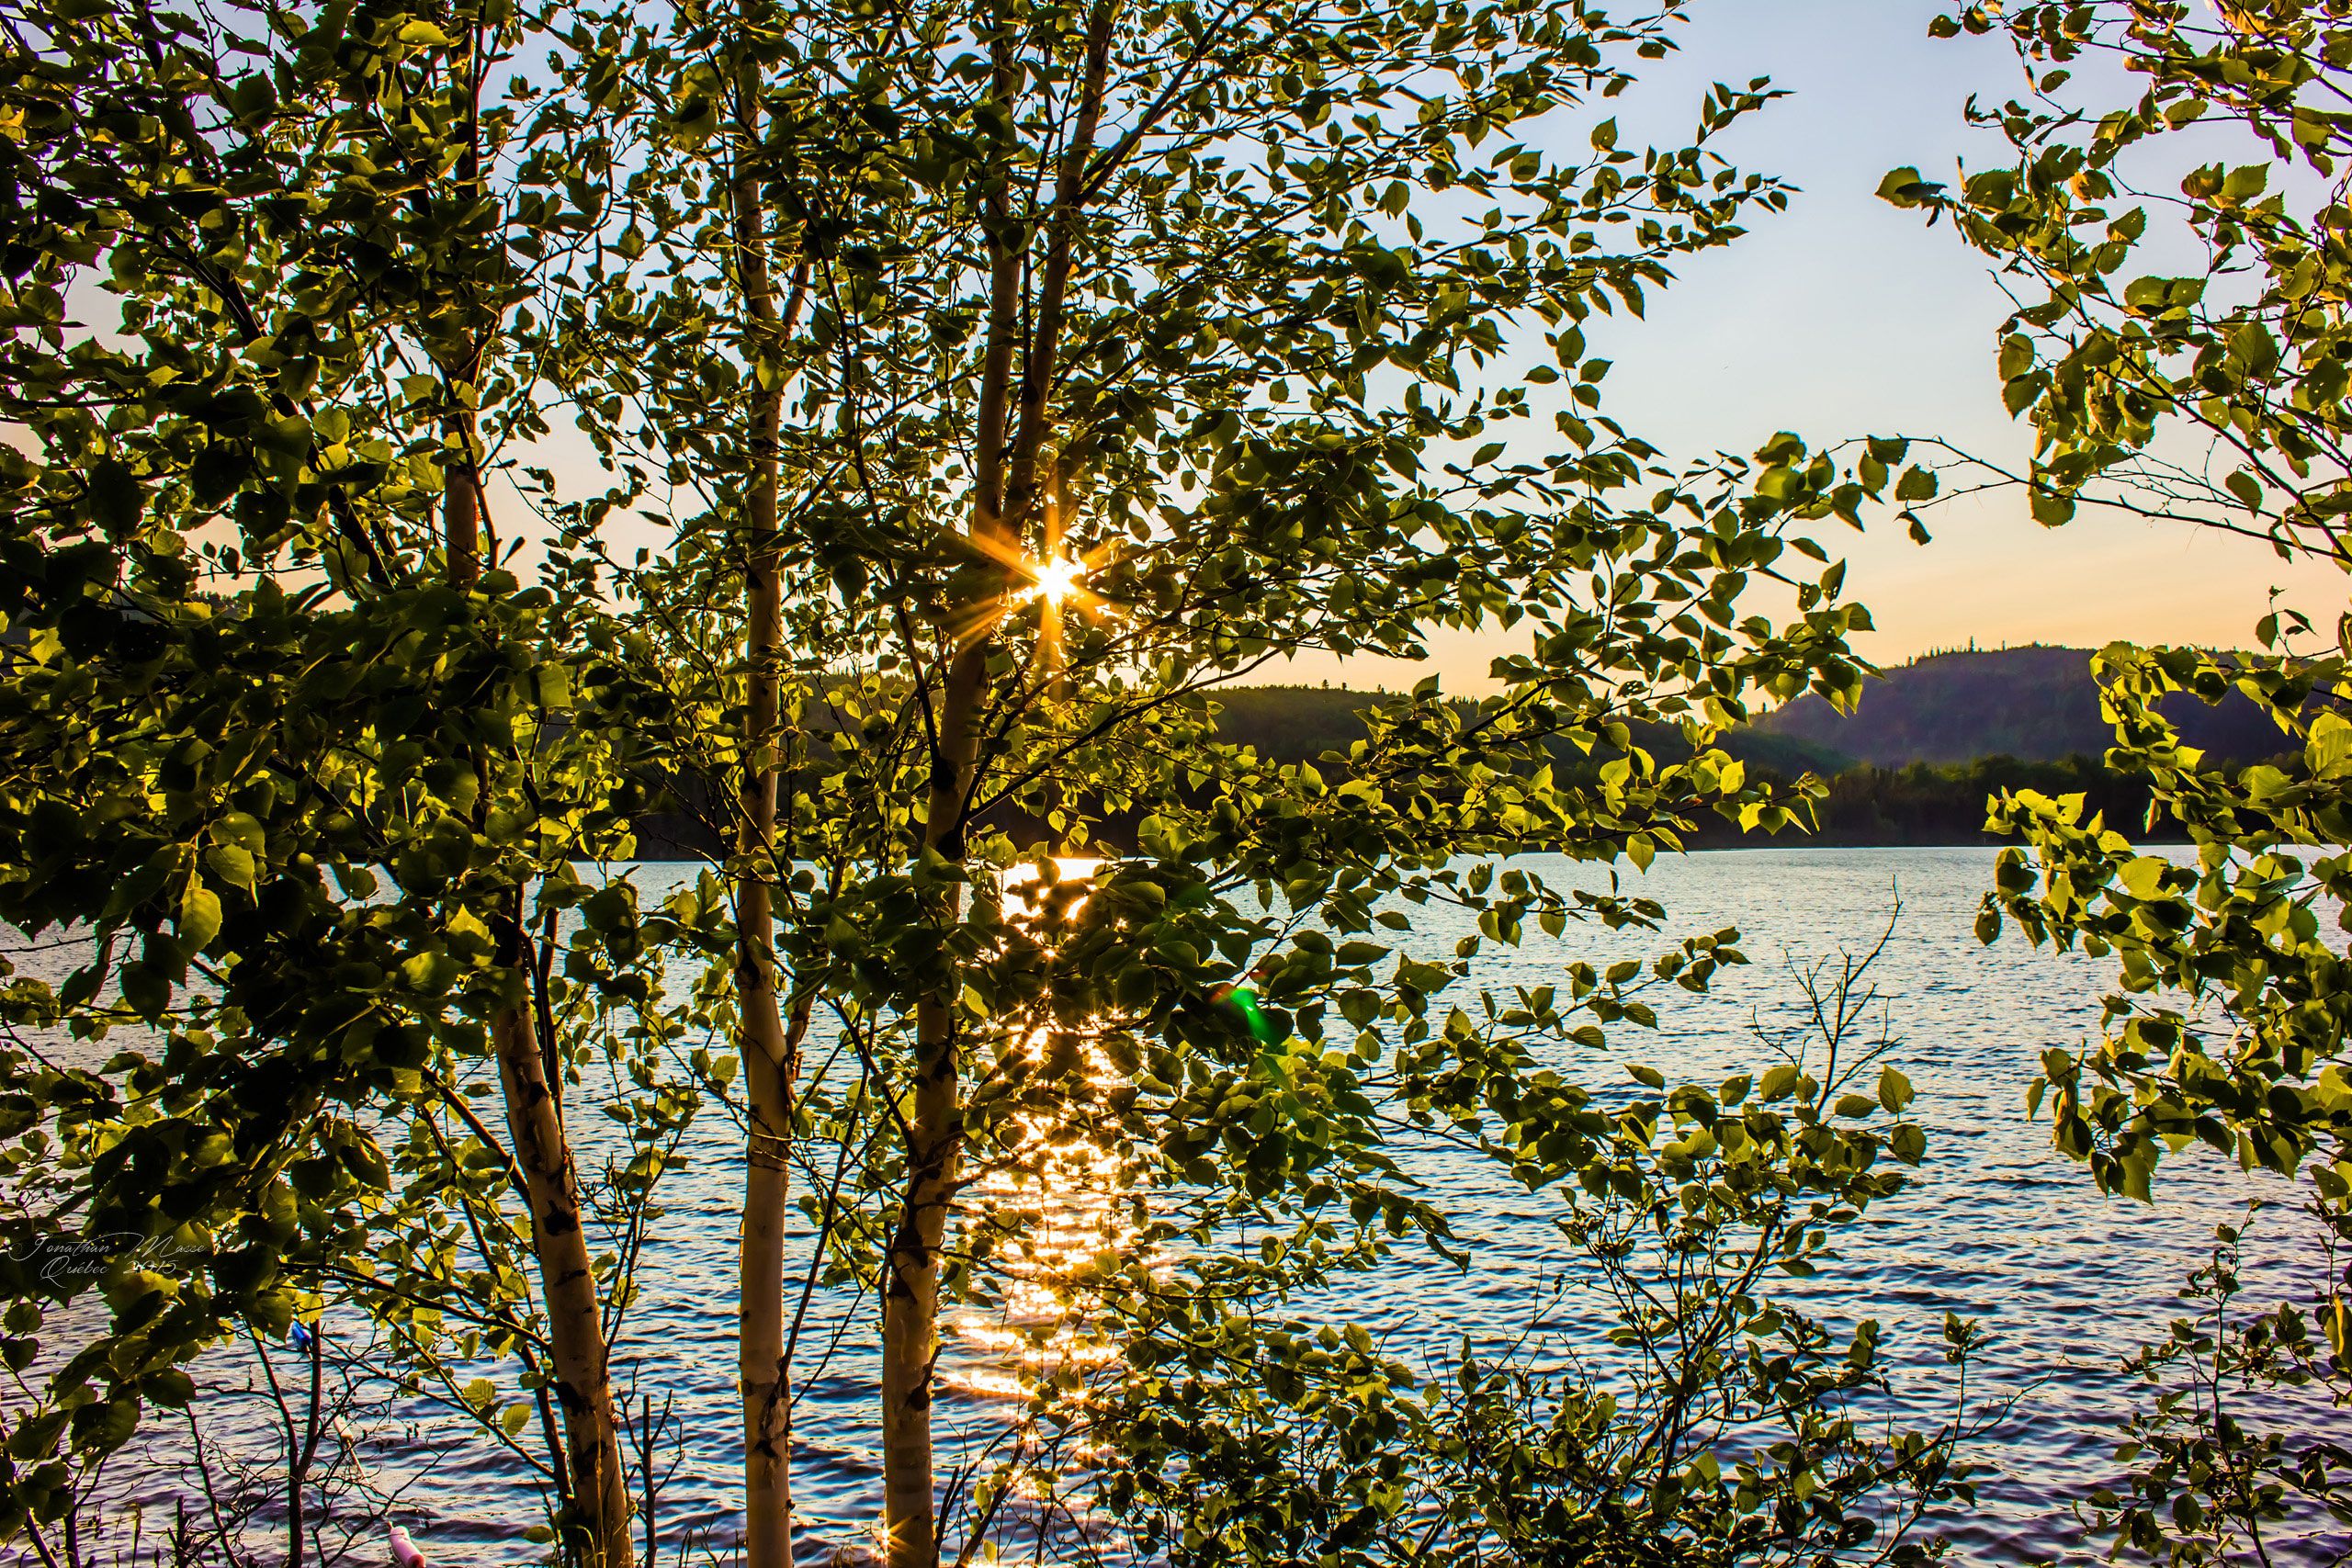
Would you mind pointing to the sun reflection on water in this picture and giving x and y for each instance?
(1047, 1225)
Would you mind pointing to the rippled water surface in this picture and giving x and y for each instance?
(1995, 1226)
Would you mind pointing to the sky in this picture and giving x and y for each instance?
(1844, 316)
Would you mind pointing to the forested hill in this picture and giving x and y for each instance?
(1913, 766)
(1301, 723)
(2037, 704)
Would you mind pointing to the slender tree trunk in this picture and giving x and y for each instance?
(1006, 497)
(304, 1452)
(934, 1126)
(911, 1304)
(767, 1057)
(762, 1044)
(578, 1356)
(768, 1049)
(461, 502)
(935, 1146)
(1053, 651)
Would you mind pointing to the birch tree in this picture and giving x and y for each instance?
(1111, 354)
(287, 739)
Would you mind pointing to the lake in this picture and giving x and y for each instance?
(1995, 1226)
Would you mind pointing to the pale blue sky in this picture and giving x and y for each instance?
(1845, 316)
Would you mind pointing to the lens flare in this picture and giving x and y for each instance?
(1058, 579)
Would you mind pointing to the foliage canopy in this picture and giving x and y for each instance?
(984, 388)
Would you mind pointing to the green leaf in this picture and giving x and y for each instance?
(1904, 187)
(146, 989)
(115, 499)
(231, 864)
(199, 915)
(2143, 875)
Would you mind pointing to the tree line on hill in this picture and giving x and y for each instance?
(1895, 774)
(1915, 763)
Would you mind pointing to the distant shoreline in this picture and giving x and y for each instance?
(1805, 845)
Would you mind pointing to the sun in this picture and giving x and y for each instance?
(1058, 579)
